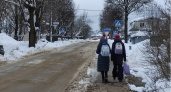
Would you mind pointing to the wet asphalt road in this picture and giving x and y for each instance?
(46, 72)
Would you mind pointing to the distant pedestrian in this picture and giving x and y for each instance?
(103, 49)
(118, 55)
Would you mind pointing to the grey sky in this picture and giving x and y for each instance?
(96, 5)
(90, 5)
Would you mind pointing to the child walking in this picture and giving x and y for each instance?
(103, 51)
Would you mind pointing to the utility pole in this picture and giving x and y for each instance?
(51, 25)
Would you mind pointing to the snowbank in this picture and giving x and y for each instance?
(139, 66)
(17, 49)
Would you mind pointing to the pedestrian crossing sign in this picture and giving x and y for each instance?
(62, 30)
(118, 23)
(115, 33)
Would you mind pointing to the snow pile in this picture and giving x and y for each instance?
(17, 49)
(92, 75)
(139, 89)
(139, 67)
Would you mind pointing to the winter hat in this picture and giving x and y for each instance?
(104, 34)
(117, 36)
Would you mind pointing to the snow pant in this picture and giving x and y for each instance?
(118, 71)
(104, 75)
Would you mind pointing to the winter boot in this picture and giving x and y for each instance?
(106, 80)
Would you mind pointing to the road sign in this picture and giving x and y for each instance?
(106, 31)
(118, 23)
(62, 30)
(37, 28)
(55, 23)
(115, 33)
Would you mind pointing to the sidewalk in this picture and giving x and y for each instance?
(95, 84)
(112, 86)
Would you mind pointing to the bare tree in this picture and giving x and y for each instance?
(109, 15)
(10, 10)
(35, 8)
(128, 6)
(33, 13)
(63, 12)
(82, 26)
(5, 16)
(157, 51)
(39, 12)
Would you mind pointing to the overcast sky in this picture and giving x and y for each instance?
(96, 5)
(90, 5)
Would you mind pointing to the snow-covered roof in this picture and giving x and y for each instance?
(139, 33)
(137, 19)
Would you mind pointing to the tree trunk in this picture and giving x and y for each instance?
(16, 23)
(21, 28)
(38, 18)
(32, 33)
(126, 23)
(39, 13)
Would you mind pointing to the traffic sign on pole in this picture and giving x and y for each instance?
(55, 24)
(115, 33)
(106, 31)
(39, 29)
(118, 23)
(62, 30)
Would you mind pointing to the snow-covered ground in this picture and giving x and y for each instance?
(15, 50)
(139, 66)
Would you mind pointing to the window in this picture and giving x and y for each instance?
(141, 24)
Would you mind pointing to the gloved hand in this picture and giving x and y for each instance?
(124, 62)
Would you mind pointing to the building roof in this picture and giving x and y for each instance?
(137, 19)
(139, 33)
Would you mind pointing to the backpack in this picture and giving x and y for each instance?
(118, 48)
(105, 50)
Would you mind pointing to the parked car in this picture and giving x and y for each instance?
(94, 38)
(2, 50)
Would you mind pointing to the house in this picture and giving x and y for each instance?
(141, 28)
(138, 37)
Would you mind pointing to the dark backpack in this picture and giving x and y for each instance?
(105, 50)
(118, 48)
